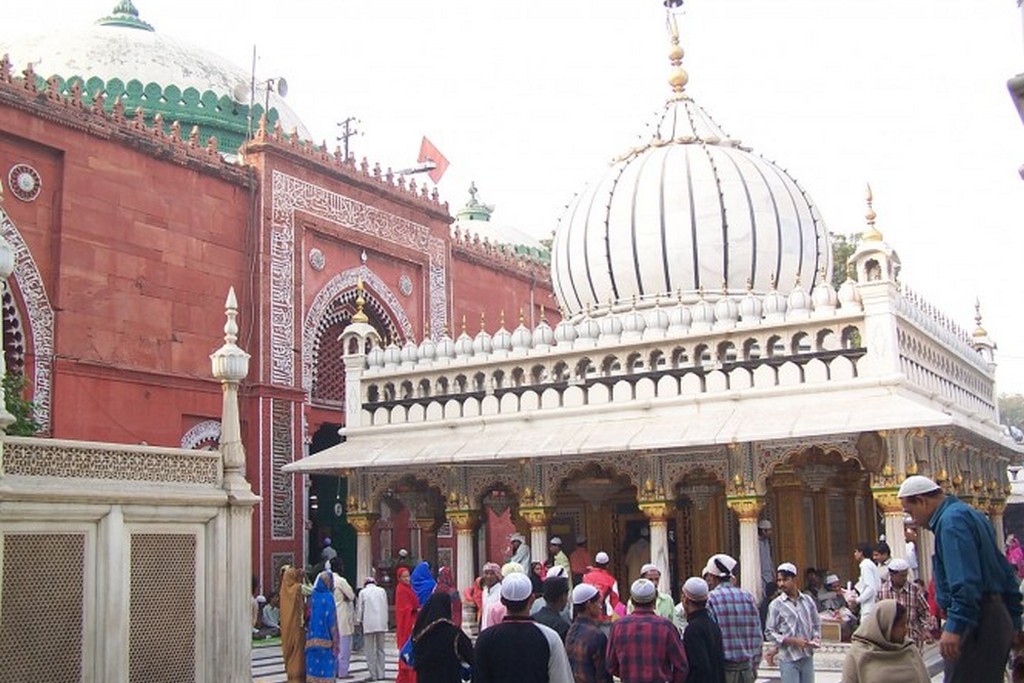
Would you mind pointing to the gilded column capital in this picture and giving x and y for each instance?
(887, 499)
(362, 521)
(462, 519)
(536, 515)
(747, 508)
(657, 510)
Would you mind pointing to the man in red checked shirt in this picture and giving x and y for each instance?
(643, 647)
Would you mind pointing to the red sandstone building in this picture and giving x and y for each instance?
(131, 215)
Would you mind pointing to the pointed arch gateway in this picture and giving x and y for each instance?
(331, 311)
(36, 342)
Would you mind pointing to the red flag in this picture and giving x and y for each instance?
(430, 153)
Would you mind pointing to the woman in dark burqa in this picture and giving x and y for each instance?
(440, 649)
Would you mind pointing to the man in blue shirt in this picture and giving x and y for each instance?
(974, 583)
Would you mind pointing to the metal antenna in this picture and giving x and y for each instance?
(348, 129)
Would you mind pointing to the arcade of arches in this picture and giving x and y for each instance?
(675, 509)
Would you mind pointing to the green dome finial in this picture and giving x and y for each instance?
(474, 210)
(125, 14)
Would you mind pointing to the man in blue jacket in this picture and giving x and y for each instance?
(974, 583)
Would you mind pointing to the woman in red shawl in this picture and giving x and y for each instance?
(446, 584)
(406, 607)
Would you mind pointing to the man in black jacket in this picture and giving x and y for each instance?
(556, 597)
(702, 638)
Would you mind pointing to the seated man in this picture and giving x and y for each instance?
(271, 616)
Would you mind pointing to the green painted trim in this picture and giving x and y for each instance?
(214, 114)
(124, 14)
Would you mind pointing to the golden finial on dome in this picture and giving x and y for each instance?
(522, 318)
(360, 316)
(483, 322)
(979, 331)
(543, 317)
(501, 318)
(872, 234)
(678, 78)
(464, 323)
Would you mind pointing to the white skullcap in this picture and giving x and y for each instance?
(643, 591)
(764, 524)
(403, 553)
(917, 485)
(898, 564)
(516, 587)
(602, 558)
(517, 537)
(555, 540)
(696, 589)
(556, 572)
(787, 567)
(261, 599)
(581, 539)
(512, 568)
(369, 579)
(720, 565)
(648, 568)
(830, 579)
(583, 593)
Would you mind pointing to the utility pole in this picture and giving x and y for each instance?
(348, 129)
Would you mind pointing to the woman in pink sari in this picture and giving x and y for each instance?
(1015, 554)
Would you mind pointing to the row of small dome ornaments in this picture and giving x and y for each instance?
(641, 322)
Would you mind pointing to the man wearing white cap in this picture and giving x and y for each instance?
(735, 611)
(900, 588)
(519, 650)
(702, 638)
(643, 647)
(490, 585)
(974, 583)
(586, 642)
(372, 614)
(600, 578)
(793, 625)
(558, 558)
(520, 551)
(664, 605)
(764, 547)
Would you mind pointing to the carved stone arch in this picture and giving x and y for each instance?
(624, 465)
(381, 304)
(771, 456)
(202, 436)
(434, 478)
(481, 480)
(700, 485)
(678, 467)
(33, 296)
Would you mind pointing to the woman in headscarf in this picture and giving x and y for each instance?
(439, 646)
(446, 584)
(880, 650)
(293, 638)
(423, 582)
(406, 607)
(322, 641)
(537, 575)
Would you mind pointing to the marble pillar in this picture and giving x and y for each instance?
(892, 515)
(363, 523)
(464, 522)
(657, 513)
(925, 551)
(748, 509)
(537, 517)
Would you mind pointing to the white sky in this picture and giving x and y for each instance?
(530, 98)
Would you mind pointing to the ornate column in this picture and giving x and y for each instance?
(925, 551)
(658, 513)
(537, 516)
(464, 520)
(230, 365)
(884, 491)
(747, 508)
(363, 523)
(996, 508)
(6, 268)
(427, 526)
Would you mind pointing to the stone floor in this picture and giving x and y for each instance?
(268, 667)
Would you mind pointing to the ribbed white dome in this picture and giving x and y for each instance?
(691, 209)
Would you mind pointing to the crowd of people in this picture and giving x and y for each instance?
(564, 620)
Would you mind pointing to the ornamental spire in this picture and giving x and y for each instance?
(124, 14)
(678, 78)
(872, 234)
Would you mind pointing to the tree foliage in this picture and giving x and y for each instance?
(1011, 410)
(21, 408)
(843, 247)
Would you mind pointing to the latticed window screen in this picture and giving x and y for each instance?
(162, 610)
(41, 612)
(330, 368)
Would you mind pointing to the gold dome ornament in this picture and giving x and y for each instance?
(872, 234)
(678, 78)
